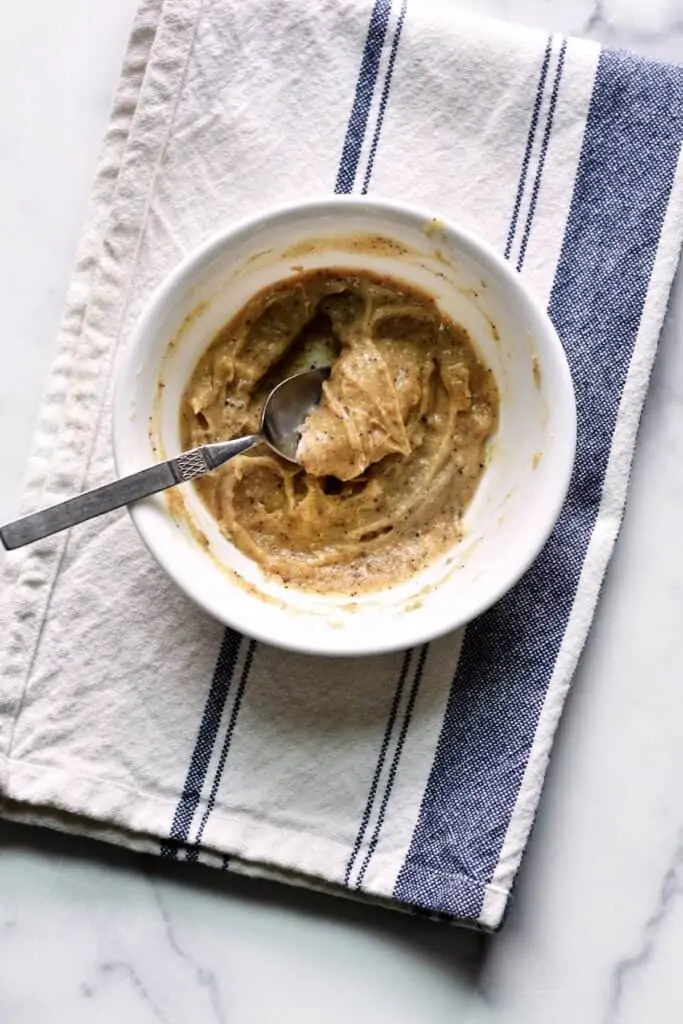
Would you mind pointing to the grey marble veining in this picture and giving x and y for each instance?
(596, 929)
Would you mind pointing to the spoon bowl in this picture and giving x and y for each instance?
(286, 409)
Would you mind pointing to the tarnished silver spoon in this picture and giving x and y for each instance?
(284, 412)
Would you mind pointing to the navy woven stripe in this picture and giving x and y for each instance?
(204, 744)
(193, 851)
(626, 169)
(531, 138)
(379, 766)
(543, 154)
(385, 97)
(394, 764)
(365, 88)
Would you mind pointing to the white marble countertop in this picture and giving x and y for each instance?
(595, 932)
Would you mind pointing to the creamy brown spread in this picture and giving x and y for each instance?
(389, 459)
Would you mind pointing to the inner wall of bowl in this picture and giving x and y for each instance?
(504, 509)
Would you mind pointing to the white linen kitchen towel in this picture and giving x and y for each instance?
(413, 777)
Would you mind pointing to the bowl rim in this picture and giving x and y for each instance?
(131, 351)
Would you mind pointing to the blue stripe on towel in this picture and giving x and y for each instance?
(391, 778)
(193, 851)
(531, 138)
(626, 169)
(385, 97)
(365, 819)
(541, 160)
(365, 88)
(204, 744)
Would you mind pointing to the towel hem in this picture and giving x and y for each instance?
(35, 794)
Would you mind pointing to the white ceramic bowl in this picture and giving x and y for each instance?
(531, 457)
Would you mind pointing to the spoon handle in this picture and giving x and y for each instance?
(187, 466)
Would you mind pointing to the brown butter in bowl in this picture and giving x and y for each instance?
(390, 458)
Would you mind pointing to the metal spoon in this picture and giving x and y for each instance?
(284, 412)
